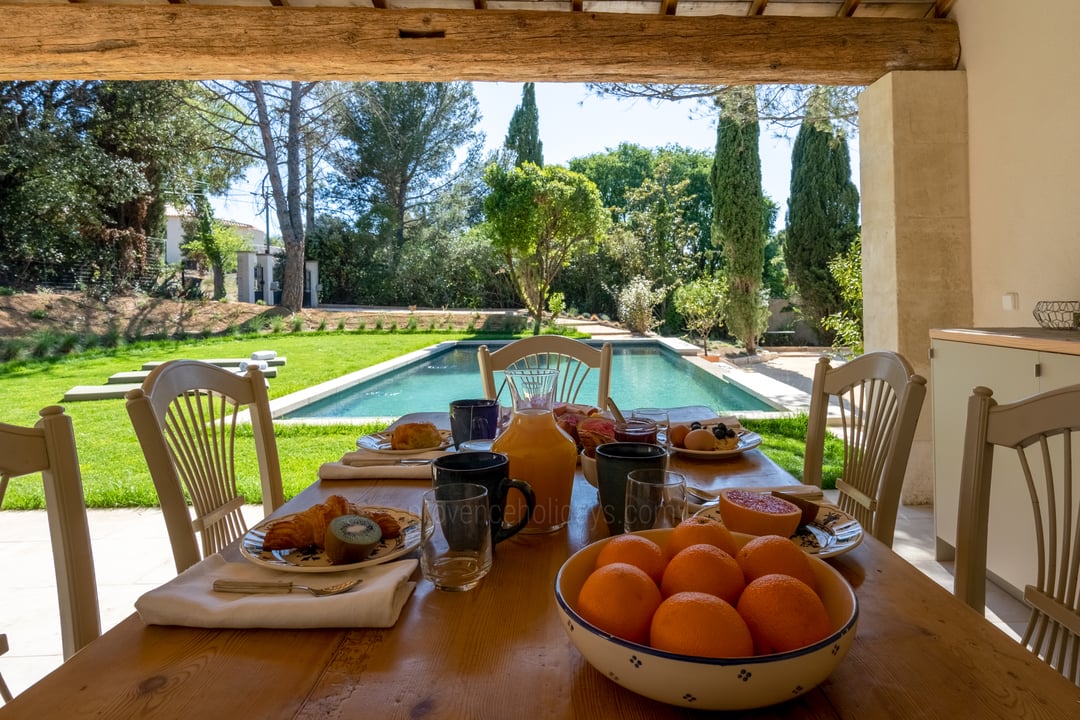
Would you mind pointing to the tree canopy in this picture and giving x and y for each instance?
(538, 218)
(739, 212)
(523, 137)
(822, 218)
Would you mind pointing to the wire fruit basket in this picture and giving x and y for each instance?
(1058, 314)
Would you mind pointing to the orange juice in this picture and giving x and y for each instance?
(544, 456)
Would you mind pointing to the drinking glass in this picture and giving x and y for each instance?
(654, 499)
(455, 536)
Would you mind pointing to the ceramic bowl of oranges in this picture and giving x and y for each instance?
(704, 618)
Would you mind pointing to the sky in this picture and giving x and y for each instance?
(574, 123)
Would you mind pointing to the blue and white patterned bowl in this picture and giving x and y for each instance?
(708, 683)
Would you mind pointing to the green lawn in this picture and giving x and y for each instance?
(114, 472)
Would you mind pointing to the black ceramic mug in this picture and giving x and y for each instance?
(473, 419)
(491, 470)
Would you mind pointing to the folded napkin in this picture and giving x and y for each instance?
(363, 464)
(189, 600)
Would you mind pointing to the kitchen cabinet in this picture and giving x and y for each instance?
(1014, 363)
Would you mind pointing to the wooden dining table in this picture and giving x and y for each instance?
(499, 650)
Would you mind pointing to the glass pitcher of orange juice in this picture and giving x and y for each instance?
(540, 452)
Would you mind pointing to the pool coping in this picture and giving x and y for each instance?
(786, 399)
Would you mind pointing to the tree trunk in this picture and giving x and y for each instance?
(287, 193)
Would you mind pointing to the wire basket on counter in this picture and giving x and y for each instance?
(1058, 314)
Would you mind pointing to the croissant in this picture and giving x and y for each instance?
(307, 527)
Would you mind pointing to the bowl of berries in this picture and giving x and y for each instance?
(704, 618)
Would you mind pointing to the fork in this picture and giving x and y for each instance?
(281, 588)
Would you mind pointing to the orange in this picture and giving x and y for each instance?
(692, 623)
(756, 513)
(697, 529)
(619, 599)
(774, 554)
(635, 550)
(703, 568)
(783, 614)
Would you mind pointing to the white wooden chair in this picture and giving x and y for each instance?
(879, 399)
(185, 416)
(1041, 431)
(49, 448)
(574, 360)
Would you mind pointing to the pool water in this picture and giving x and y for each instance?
(642, 375)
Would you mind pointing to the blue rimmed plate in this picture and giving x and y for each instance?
(833, 532)
(313, 560)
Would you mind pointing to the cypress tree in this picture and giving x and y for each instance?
(822, 217)
(523, 137)
(738, 222)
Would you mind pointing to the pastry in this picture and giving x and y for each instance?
(307, 527)
(351, 538)
(415, 436)
(389, 527)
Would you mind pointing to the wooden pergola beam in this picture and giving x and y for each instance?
(132, 42)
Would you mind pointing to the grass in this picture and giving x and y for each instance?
(114, 471)
(783, 440)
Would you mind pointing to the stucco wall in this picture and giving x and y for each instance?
(1023, 76)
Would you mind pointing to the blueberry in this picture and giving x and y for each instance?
(695, 425)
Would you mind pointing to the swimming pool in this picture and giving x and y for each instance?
(642, 375)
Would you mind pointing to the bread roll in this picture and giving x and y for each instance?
(415, 436)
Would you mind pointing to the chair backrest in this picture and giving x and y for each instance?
(49, 448)
(1040, 430)
(185, 416)
(574, 360)
(879, 399)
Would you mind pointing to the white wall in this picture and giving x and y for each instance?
(174, 236)
(1023, 73)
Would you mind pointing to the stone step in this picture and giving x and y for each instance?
(98, 392)
(137, 376)
(222, 362)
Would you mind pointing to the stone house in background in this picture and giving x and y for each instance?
(174, 234)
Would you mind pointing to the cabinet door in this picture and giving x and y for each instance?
(1057, 370)
(956, 369)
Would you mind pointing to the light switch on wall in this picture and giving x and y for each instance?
(1010, 301)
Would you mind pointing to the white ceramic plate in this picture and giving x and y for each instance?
(747, 441)
(833, 532)
(314, 560)
(380, 442)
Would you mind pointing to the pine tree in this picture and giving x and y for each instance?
(738, 214)
(822, 218)
(523, 137)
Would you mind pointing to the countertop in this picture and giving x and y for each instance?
(1023, 338)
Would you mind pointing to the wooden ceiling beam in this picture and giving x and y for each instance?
(140, 42)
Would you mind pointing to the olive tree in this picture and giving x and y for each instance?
(539, 218)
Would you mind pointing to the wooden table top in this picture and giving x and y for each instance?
(499, 651)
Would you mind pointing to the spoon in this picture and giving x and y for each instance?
(615, 411)
(705, 496)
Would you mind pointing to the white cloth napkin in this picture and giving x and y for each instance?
(366, 465)
(189, 599)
